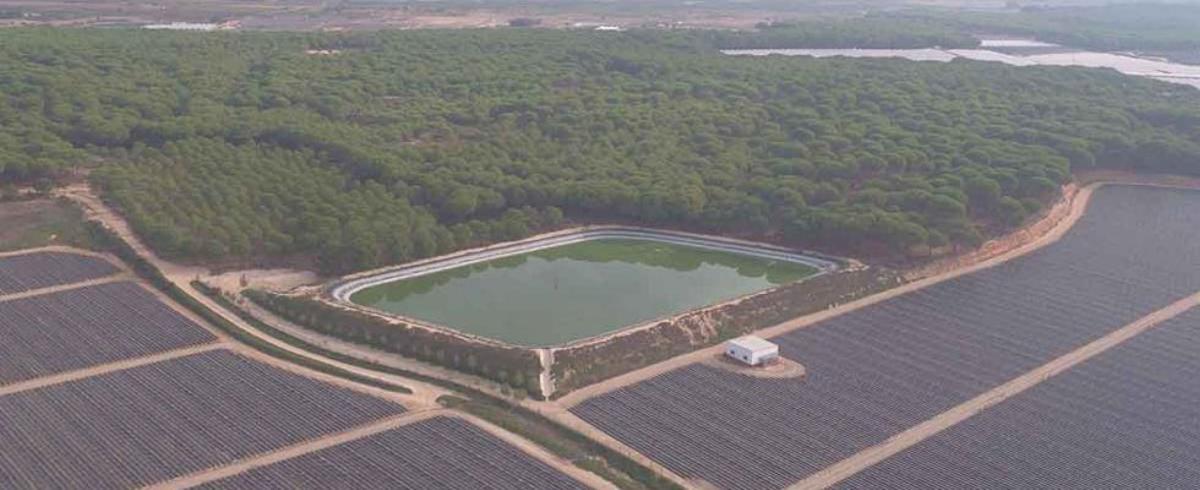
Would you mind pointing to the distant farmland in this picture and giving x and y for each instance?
(147, 424)
(441, 452)
(44, 269)
(1129, 418)
(879, 370)
(83, 327)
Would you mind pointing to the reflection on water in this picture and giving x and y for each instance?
(580, 290)
(1038, 54)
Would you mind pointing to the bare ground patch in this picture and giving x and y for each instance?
(781, 368)
(39, 223)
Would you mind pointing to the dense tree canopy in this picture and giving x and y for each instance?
(385, 147)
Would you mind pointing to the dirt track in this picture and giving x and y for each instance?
(295, 450)
(121, 365)
(425, 396)
(66, 287)
(363, 431)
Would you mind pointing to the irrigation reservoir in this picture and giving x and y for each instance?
(581, 287)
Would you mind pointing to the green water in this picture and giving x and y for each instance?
(576, 291)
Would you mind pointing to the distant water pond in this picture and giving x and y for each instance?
(576, 291)
(1039, 54)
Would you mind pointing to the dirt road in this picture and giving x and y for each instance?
(66, 287)
(121, 365)
(369, 354)
(264, 459)
(914, 435)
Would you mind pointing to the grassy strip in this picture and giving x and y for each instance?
(561, 440)
(107, 240)
(516, 367)
(275, 351)
(566, 443)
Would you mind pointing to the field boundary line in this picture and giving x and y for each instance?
(54, 248)
(118, 277)
(111, 367)
(914, 435)
(295, 450)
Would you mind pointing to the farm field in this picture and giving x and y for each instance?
(78, 328)
(570, 292)
(878, 370)
(150, 423)
(441, 452)
(168, 399)
(1129, 418)
(38, 270)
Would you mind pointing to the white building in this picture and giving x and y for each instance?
(752, 350)
(182, 26)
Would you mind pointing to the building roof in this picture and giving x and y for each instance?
(753, 343)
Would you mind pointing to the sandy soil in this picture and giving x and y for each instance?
(783, 368)
(94, 208)
(1046, 223)
(268, 279)
(847, 467)
(546, 377)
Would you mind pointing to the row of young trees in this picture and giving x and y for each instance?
(401, 145)
(516, 367)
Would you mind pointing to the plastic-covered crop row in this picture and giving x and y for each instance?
(151, 423)
(441, 452)
(79, 328)
(881, 369)
(44, 269)
(1129, 418)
